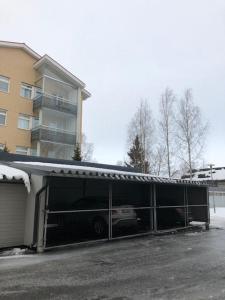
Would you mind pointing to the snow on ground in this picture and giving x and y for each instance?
(217, 218)
(12, 252)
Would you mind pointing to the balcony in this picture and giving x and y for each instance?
(54, 102)
(54, 135)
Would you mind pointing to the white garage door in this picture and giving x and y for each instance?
(12, 214)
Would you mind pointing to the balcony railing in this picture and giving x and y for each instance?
(54, 135)
(54, 102)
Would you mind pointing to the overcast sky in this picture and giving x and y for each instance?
(125, 50)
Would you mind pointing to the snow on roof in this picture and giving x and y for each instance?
(10, 173)
(205, 174)
(83, 168)
(75, 170)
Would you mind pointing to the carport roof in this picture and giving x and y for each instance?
(58, 167)
(63, 170)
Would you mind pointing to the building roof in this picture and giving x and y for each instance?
(47, 59)
(218, 174)
(51, 167)
(23, 46)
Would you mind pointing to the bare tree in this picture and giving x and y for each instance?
(166, 126)
(191, 131)
(142, 125)
(87, 149)
(158, 164)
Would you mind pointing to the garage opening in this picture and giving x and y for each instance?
(132, 208)
(12, 214)
(86, 209)
(78, 211)
(171, 207)
(197, 201)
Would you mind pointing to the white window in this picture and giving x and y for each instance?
(24, 122)
(2, 146)
(22, 150)
(4, 84)
(26, 91)
(2, 117)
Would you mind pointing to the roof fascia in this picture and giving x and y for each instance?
(48, 59)
(85, 94)
(20, 46)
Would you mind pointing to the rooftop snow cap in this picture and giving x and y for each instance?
(205, 174)
(13, 173)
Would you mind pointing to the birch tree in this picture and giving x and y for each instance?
(87, 149)
(158, 164)
(166, 126)
(142, 125)
(191, 131)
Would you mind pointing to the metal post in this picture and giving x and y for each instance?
(186, 207)
(155, 210)
(151, 213)
(46, 216)
(110, 211)
(208, 214)
(214, 206)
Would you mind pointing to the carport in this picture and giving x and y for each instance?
(81, 205)
(74, 202)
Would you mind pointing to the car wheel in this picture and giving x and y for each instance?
(99, 227)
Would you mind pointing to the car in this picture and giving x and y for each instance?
(93, 213)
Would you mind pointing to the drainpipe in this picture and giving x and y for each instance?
(37, 217)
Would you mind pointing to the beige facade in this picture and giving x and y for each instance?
(17, 65)
(21, 65)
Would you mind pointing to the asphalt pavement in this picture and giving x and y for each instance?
(187, 265)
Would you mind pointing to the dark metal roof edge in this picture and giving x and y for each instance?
(11, 157)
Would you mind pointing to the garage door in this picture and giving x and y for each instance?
(12, 214)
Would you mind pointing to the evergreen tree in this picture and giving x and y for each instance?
(5, 149)
(137, 156)
(77, 153)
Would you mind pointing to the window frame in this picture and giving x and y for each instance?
(28, 87)
(24, 117)
(4, 79)
(21, 152)
(3, 112)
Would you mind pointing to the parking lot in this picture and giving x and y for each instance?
(188, 265)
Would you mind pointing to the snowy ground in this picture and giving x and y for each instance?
(217, 218)
(185, 266)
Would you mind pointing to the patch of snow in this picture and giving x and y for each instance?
(84, 168)
(193, 233)
(13, 252)
(217, 174)
(13, 173)
(217, 218)
(197, 223)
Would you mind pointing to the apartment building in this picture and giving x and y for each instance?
(40, 104)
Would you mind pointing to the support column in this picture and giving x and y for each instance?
(155, 210)
(110, 211)
(79, 117)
